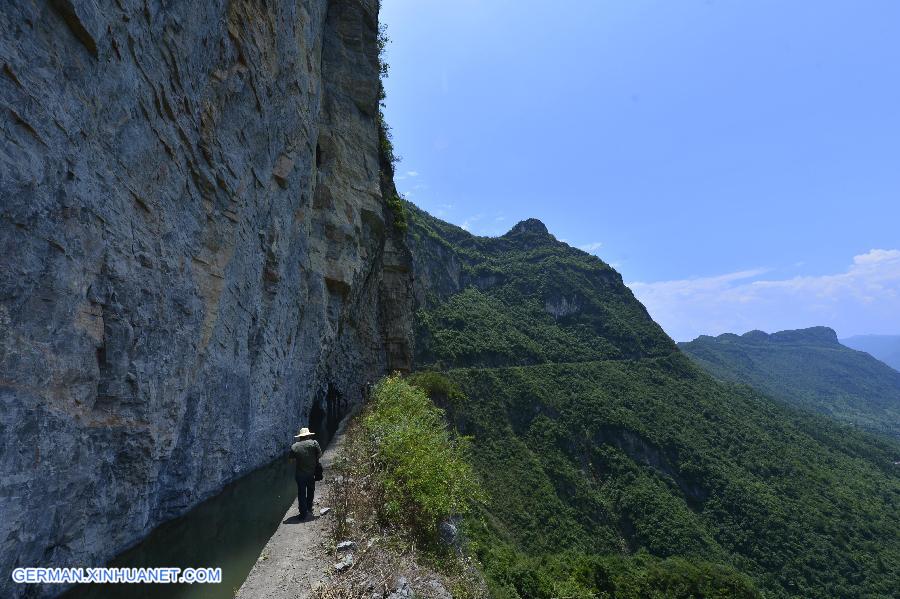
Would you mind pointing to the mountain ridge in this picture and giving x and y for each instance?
(809, 368)
(818, 334)
(597, 439)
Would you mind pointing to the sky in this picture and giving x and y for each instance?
(737, 161)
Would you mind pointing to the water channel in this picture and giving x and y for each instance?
(227, 531)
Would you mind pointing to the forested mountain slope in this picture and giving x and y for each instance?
(883, 347)
(808, 368)
(611, 463)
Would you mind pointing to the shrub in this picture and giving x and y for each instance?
(395, 203)
(422, 468)
(512, 575)
(438, 387)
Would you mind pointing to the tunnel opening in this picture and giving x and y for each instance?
(316, 421)
(325, 415)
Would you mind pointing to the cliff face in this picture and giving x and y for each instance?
(194, 255)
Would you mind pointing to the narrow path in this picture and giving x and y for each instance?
(296, 558)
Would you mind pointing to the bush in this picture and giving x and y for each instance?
(395, 203)
(438, 387)
(422, 468)
(512, 575)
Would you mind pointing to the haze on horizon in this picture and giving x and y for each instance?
(736, 162)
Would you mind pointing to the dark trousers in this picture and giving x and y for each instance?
(306, 489)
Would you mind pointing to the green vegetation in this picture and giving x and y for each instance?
(610, 463)
(401, 474)
(422, 469)
(882, 347)
(395, 203)
(438, 387)
(523, 298)
(387, 158)
(808, 368)
(615, 456)
(639, 577)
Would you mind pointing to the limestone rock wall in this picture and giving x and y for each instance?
(194, 255)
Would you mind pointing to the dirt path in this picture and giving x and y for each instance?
(295, 559)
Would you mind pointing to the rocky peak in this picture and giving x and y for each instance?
(530, 226)
(530, 231)
(755, 335)
(812, 335)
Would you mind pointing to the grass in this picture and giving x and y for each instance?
(422, 469)
(401, 472)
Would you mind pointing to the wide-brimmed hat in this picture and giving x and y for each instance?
(304, 433)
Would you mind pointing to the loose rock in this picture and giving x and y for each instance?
(344, 564)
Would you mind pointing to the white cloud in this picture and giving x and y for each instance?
(591, 247)
(412, 173)
(876, 256)
(865, 298)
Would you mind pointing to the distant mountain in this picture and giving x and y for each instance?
(884, 347)
(808, 368)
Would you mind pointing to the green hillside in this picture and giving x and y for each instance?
(808, 368)
(883, 347)
(612, 465)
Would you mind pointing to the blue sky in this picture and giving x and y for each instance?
(737, 161)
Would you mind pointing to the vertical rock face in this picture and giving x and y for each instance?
(194, 255)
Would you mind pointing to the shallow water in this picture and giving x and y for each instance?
(227, 531)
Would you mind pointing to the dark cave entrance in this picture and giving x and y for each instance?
(324, 420)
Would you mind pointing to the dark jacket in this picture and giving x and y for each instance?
(307, 453)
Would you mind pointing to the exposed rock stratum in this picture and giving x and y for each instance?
(195, 255)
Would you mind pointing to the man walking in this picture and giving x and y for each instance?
(306, 452)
